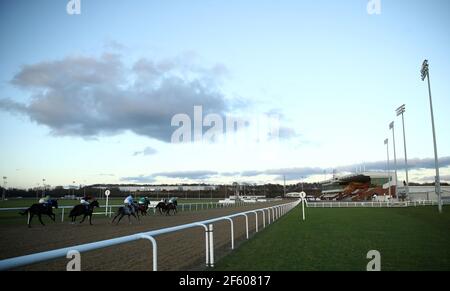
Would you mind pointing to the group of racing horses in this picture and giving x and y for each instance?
(135, 210)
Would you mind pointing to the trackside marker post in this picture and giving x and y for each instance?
(107, 192)
(303, 201)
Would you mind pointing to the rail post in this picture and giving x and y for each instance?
(264, 218)
(62, 215)
(256, 220)
(206, 243)
(155, 250)
(232, 231)
(211, 245)
(246, 223)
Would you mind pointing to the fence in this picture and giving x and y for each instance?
(341, 204)
(273, 213)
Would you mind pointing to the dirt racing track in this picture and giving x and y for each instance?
(181, 250)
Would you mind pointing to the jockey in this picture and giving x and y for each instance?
(142, 200)
(85, 201)
(44, 200)
(129, 201)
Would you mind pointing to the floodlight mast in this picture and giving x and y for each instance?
(391, 126)
(386, 142)
(400, 111)
(437, 182)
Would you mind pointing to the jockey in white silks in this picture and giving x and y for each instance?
(44, 200)
(85, 201)
(129, 201)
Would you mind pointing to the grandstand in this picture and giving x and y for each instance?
(359, 187)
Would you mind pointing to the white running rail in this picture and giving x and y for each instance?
(370, 204)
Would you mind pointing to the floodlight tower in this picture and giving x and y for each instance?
(400, 111)
(426, 75)
(386, 142)
(391, 126)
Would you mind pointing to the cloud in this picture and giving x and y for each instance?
(444, 178)
(148, 151)
(192, 175)
(138, 179)
(289, 173)
(112, 45)
(94, 96)
(88, 97)
(105, 175)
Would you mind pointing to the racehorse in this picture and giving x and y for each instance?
(161, 206)
(127, 210)
(171, 206)
(143, 207)
(167, 207)
(41, 208)
(81, 209)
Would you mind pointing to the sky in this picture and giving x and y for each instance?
(98, 97)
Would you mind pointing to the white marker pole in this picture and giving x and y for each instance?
(107, 192)
(303, 198)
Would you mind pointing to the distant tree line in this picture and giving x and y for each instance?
(221, 191)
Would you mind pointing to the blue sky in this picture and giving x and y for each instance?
(334, 73)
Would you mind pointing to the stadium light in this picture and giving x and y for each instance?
(400, 111)
(386, 142)
(391, 126)
(426, 75)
